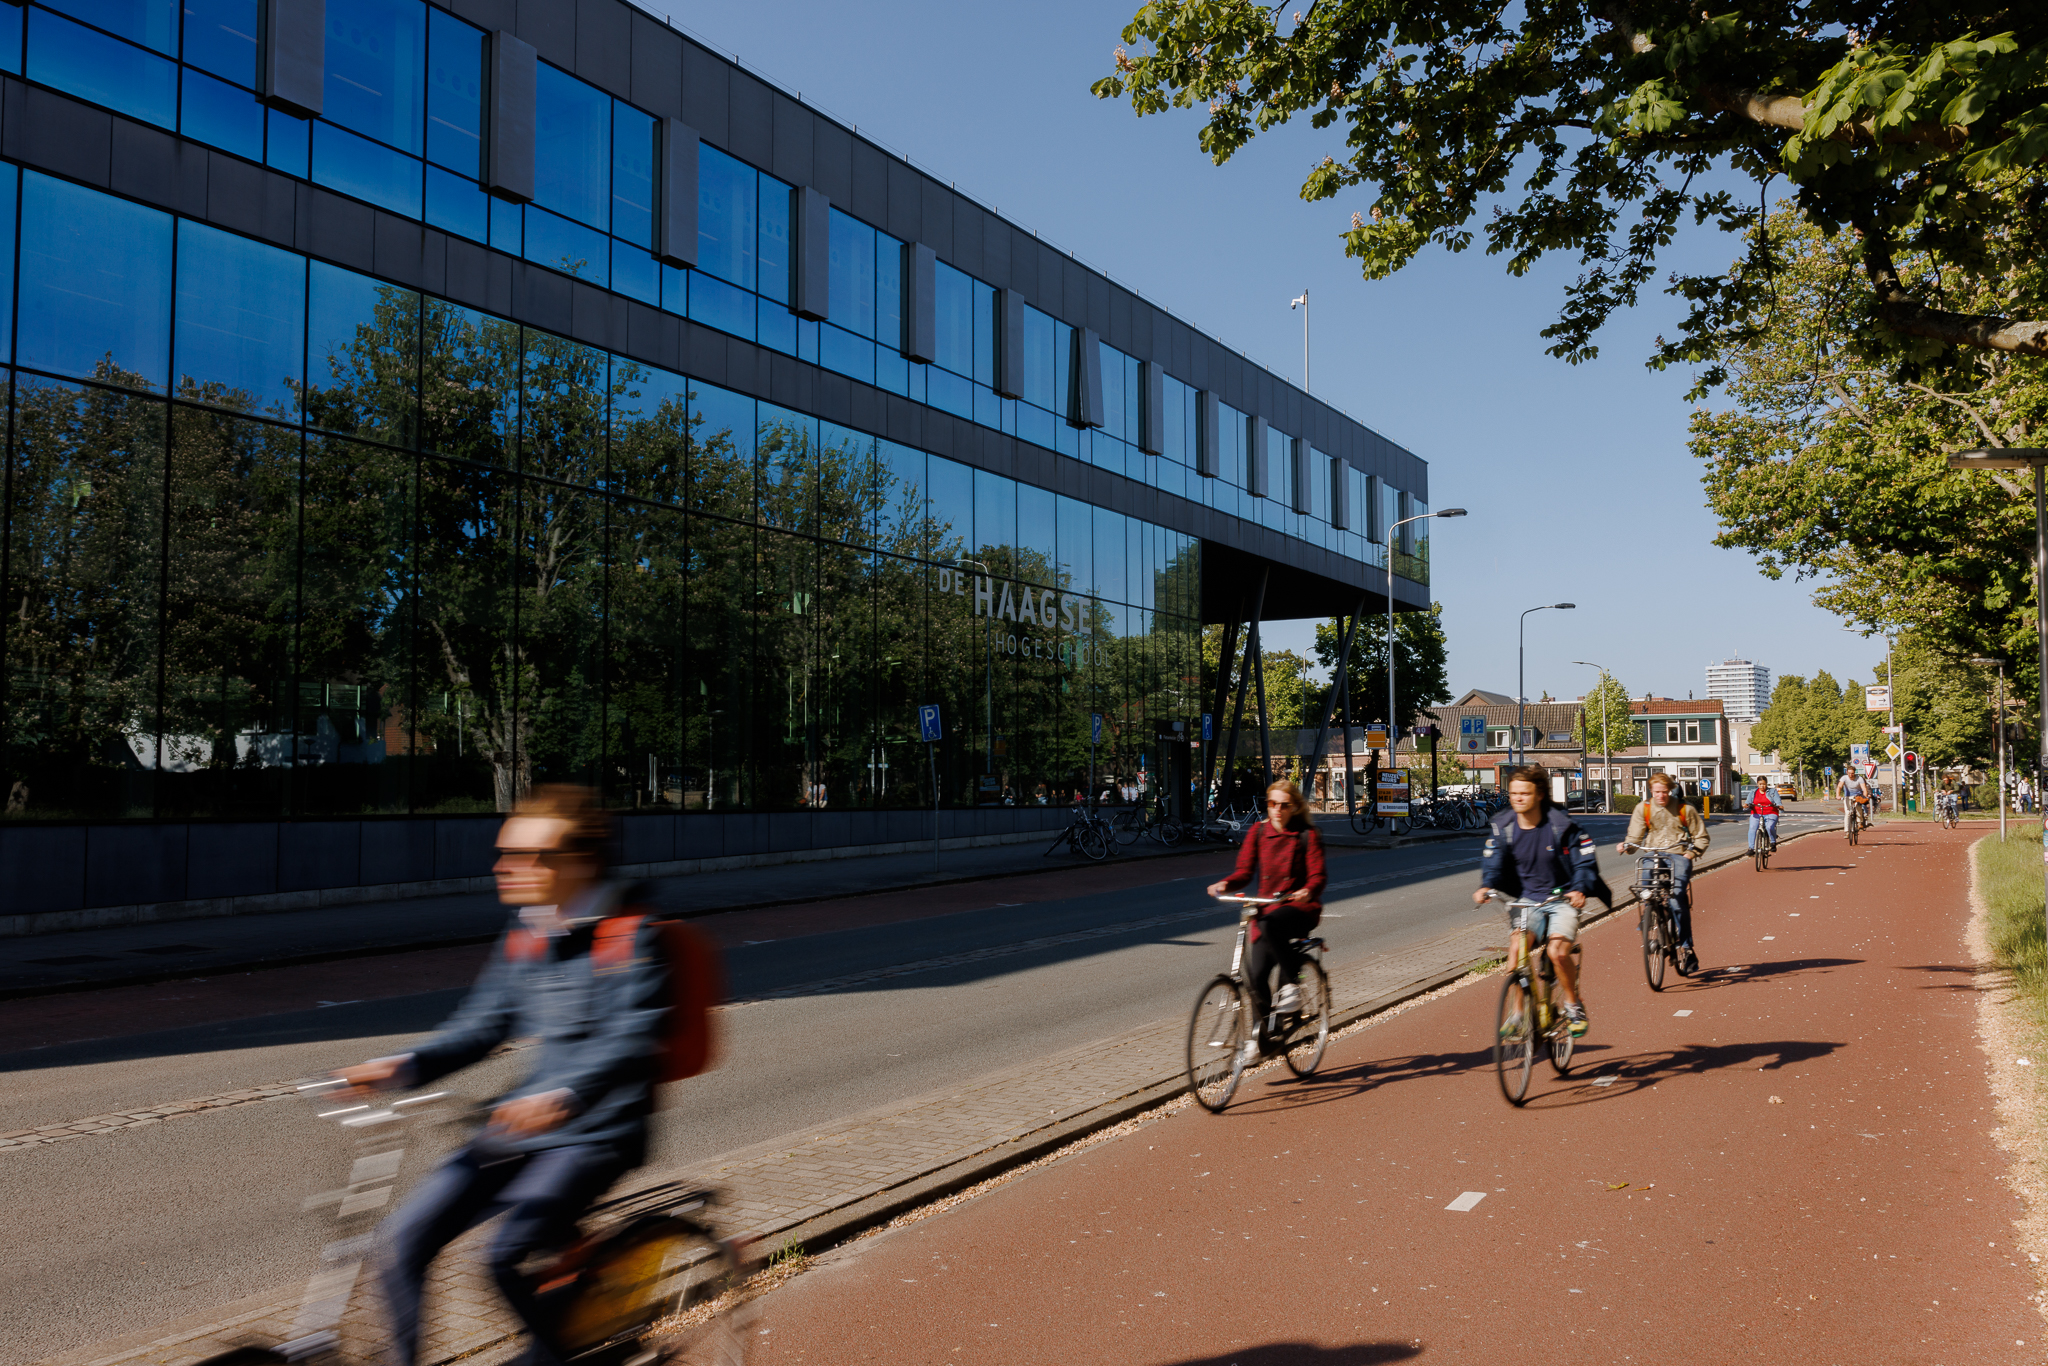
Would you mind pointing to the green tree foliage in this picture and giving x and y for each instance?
(1421, 664)
(1830, 468)
(1599, 127)
(1945, 704)
(1810, 723)
(1619, 731)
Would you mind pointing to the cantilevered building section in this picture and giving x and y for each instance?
(412, 403)
(1743, 688)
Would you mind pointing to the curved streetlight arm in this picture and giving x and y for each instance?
(1517, 752)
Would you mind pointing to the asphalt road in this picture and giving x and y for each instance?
(108, 1235)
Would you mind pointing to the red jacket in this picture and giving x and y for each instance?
(1762, 802)
(1282, 863)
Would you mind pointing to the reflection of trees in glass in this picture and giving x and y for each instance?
(85, 555)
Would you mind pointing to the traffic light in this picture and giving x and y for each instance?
(1912, 762)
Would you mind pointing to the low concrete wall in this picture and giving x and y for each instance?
(86, 876)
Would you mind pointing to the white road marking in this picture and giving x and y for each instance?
(1466, 1201)
(1769, 937)
(1680, 1014)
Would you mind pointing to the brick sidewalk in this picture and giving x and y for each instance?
(820, 1183)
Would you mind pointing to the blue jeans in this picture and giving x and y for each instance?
(1769, 821)
(544, 1192)
(1681, 902)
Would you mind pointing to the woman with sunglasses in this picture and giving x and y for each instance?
(1285, 853)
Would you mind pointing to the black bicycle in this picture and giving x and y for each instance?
(1529, 1019)
(1223, 1038)
(1654, 890)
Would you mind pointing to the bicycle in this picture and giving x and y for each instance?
(1527, 1016)
(1654, 889)
(1762, 847)
(1222, 1020)
(1089, 834)
(646, 1260)
(1146, 820)
(1951, 810)
(1855, 816)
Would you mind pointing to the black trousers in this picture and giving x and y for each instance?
(1270, 951)
(541, 1194)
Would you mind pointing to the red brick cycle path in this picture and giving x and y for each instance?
(1800, 1168)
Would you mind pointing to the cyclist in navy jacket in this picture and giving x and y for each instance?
(578, 1121)
(1536, 851)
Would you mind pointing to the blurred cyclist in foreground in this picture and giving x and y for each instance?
(578, 1121)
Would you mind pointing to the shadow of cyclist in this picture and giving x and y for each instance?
(1308, 1354)
(1609, 1078)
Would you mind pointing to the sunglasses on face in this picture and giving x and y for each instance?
(1282, 804)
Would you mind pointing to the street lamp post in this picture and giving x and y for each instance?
(1520, 751)
(1302, 304)
(1393, 726)
(1998, 736)
(2029, 459)
(1606, 750)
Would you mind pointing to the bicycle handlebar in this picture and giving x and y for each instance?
(1252, 900)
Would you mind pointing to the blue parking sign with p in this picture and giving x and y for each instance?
(929, 729)
(1208, 726)
(1094, 727)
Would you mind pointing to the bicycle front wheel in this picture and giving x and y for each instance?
(1127, 829)
(1762, 855)
(1653, 948)
(1561, 1046)
(1092, 842)
(1216, 1036)
(1311, 1032)
(1169, 833)
(1514, 1040)
(662, 1275)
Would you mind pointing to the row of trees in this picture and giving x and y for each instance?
(1947, 707)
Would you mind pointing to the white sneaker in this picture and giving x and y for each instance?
(1249, 1054)
(1288, 1000)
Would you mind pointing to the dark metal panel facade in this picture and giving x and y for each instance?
(510, 75)
(810, 253)
(291, 55)
(675, 221)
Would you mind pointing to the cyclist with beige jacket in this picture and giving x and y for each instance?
(1671, 827)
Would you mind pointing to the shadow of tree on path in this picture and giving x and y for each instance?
(1307, 1354)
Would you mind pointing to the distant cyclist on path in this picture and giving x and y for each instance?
(1676, 829)
(1763, 815)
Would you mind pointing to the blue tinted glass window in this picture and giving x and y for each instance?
(357, 166)
(9, 186)
(675, 289)
(1035, 425)
(559, 244)
(1110, 547)
(776, 326)
(725, 217)
(636, 272)
(10, 40)
(455, 79)
(376, 69)
(717, 304)
(984, 333)
(95, 285)
(995, 513)
(104, 70)
(949, 391)
(853, 274)
(154, 22)
(454, 203)
(241, 321)
(1113, 394)
(888, 291)
(1038, 363)
(221, 115)
(1037, 537)
(848, 354)
(286, 143)
(773, 253)
(949, 502)
(572, 146)
(506, 225)
(220, 35)
(361, 356)
(632, 174)
(954, 302)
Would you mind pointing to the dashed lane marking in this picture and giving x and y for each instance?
(1465, 1202)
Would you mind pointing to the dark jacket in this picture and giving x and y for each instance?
(1573, 846)
(1282, 863)
(596, 1031)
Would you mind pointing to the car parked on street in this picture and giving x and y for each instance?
(1585, 799)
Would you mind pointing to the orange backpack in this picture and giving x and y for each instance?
(696, 984)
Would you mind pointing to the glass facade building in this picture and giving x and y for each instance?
(407, 404)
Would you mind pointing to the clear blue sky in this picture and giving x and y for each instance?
(1578, 479)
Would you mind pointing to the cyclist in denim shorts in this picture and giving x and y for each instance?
(1535, 851)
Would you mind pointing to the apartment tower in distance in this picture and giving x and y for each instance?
(1744, 688)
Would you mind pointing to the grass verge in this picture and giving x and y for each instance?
(2010, 877)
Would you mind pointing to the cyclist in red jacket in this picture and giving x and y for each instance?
(1285, 853)
(1763, 812)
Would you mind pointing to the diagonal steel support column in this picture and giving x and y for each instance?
(1259, 682)
(1343, 671)
(1224, 666)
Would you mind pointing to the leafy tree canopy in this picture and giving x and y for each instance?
(1421, 664)
(1598, 127)
(1605, 725)
(1830, 468)
(1811, 723)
